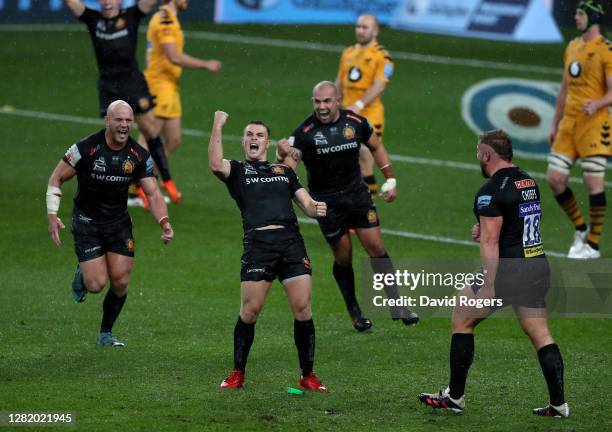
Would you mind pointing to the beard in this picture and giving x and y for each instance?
(483, 171)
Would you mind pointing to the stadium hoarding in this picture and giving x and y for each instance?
(301, 11)
(508, 20)
(433, 287)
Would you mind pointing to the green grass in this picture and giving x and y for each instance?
(184, 298)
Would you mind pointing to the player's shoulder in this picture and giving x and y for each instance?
(307, 125)
(141, 153)
(165, 16)
(605, 46)
(351, 117)
(380, 51)
(93, 140)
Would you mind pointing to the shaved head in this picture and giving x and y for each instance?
(323, 86)
(368, 19)
(366, 29)
(118, 104)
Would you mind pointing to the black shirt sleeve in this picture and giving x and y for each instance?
(488, 203)
(75, 154)
(299, 139)
(366, 130)
(234, 167)
(136, 12)
(294, 181)
(89, 16)
(145, 169)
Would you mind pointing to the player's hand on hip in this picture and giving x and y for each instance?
(589, 107)
(476, 232)
(221, 118)
(55, 224)
(320, 209)
(168, 233)
(213, 65)
(388, 191)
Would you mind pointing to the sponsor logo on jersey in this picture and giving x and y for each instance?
(128, 166)
(534, 251)
(73, 155)
(249, 170)
(354, 74)
(529, 194)
(574, 69)
(483, 201)
(348, 132)
(525, 183)
(255, 270)
(372, 216)
(320, 139)
(253, 180)
(110, 178)
(84, 219)
(100, 164)
(529, 208)
(338, 148)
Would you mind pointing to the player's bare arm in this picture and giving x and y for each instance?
(159, 209)
(219, 166)
(389, 188)
(146, 6)
(314, 209)
(592, 106)
(490, 230)
(76, 6)
(287, 154)
(62, 173)
(559, 107)
(476, 232)
(338, 84)
(375, 90)
(178, 58)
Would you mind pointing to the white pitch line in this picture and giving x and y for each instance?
(312, 46)
(198, 133)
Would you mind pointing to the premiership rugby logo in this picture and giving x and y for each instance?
(523, 108)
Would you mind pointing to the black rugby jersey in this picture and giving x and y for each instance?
(114, 40)
(515, 196)
(263, 192)
(331, 151)
(104, 175)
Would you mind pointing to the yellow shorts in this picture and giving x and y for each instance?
(580, 138)
(376, 117)
(167, 99)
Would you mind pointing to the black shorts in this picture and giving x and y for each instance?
(93, 240)
(132, 88)
(523, 282)
(276, 253)
(351, 208)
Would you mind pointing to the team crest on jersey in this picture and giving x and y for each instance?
(128, 166)
(120, 23)
(130, 245)
(307, 263)
(143, 103)
(348, 132)
(523, 108)
(372, 216)
(278, 170)
(354, 74)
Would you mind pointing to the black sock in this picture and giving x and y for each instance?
(345, 278)
(552, 367)
(243, 339)
(304, 336)
(158, 153)
(111, 308)
(384, 265)
(461, 356)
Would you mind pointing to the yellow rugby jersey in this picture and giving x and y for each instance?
(164, 28)
(359, 67)
(586, 67)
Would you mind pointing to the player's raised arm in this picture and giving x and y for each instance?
(381, 157)
(76, 6)
(287, 154)
(146, 6)
(61, 174)
(219, 166)
(314, 209)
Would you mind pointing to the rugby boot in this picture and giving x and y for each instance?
(442, 400)
(360, 323)
(234, 380)
(174, 194)
(107, 339)
(578, 243)
(143, 197)
(553, 411)
(408, 317)
(79, 292)
(311, 382)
